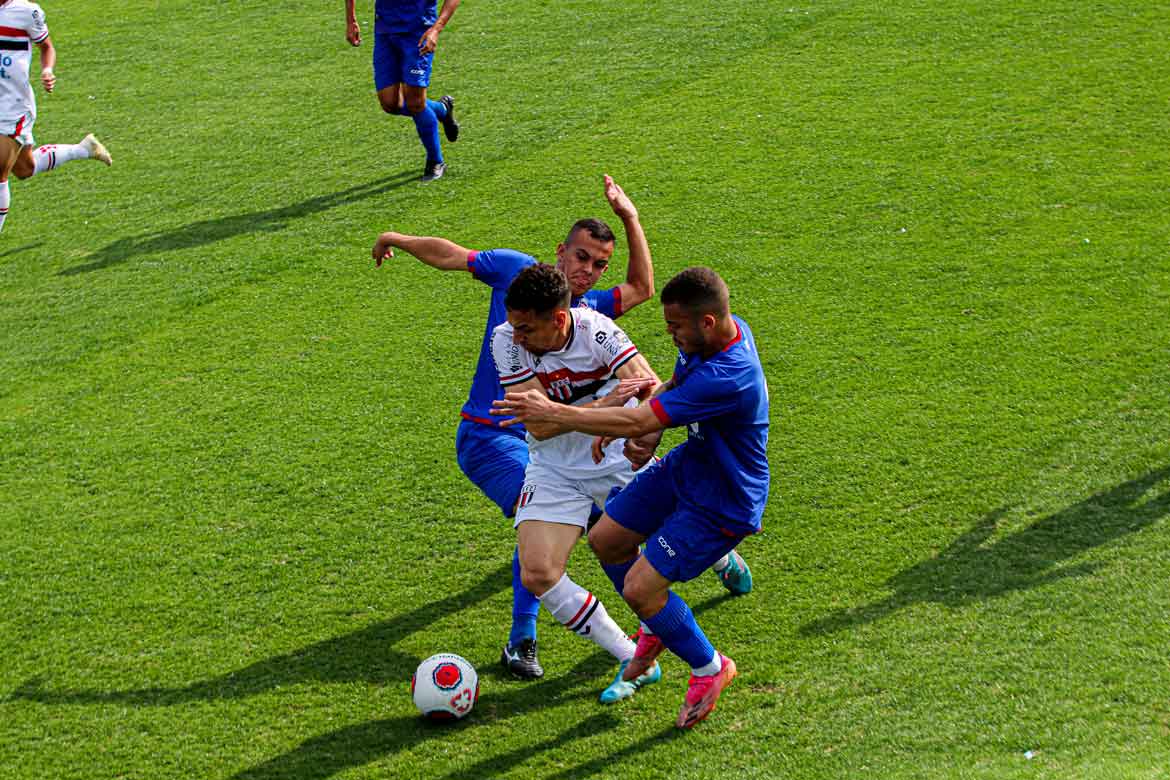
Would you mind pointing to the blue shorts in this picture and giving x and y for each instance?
(682, 541)
(495, 460)
(397, 61)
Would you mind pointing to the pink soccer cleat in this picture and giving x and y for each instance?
(703, 693)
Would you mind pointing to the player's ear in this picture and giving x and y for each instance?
(560, 317)
(708, 322)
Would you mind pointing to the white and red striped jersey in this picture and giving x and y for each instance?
(21, 25)
(579, 372)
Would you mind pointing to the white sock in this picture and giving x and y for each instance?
(710, 668)
(579, 611)
(50, 156)
(5, 198)
(722, 563)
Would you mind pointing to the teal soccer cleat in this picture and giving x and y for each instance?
(623, 689)
(737, 577)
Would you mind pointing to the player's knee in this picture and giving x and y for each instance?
(539, 578)
(416, 104)
(389, 106)
(23, 170)
(644, 599)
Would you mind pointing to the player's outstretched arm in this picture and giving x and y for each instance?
(639, 283)
(353, 30)
(535, 408)
(48, 62)
(430, 38)
(435, 252)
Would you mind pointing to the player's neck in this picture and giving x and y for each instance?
(725, 333)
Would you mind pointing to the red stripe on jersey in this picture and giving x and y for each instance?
(580, 612)
(738, 338)
(547, 378)
(513, 378)
(660, 412)
(480, 420)
(617, 301)
(14, 32)
(471, 261)
(19, 125)
(624, 353)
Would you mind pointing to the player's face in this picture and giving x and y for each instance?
(583, 259)
(691, 332)
(539, 334)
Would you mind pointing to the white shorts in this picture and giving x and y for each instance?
(549, 496)
(19, 127)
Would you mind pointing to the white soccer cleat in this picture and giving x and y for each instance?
(96, 149)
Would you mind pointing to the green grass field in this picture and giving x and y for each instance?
(231, 523)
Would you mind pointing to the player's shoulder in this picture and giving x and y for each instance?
(591, 319)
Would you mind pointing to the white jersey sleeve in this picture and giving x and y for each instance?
(611, 345)
(513, 362)
(37, 29)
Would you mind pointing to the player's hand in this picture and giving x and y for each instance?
(383, 248)
(626, 389)
(48, 79)
(619, 201)
(599, 445)
(429, 41)
(640, 450)
(530, 406)
(353, 32)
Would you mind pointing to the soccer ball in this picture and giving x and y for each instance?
(444, 687)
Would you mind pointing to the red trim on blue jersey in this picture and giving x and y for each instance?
(14, 32)
(471, 261)
(660, 412)
(738, 338)
(617, 301)
(480, 420)
(625, 352)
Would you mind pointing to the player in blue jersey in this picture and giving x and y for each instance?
(406, 33)
(494, 457)
(696, 504)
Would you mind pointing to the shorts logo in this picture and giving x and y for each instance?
(526, 496)
(665, 546)
(417, 72)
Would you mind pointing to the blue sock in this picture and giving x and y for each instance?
(439, 109)
(428, 132)
(675, 625)
(617, 573)
(525, 606)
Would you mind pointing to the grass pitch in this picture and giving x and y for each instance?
(230, 519)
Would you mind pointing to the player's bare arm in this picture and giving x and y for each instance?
(435, 252)
(353, 30)
(430, 39)
(48, 62)
(531, 408)
(547, 430)
(639, 283)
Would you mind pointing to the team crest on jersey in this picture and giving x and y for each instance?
(447, 676)
(526, 495)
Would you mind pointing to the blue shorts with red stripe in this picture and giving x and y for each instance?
(682, 541)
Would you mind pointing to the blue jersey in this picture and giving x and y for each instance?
(404, 16)
(722, 467)
(497, 268)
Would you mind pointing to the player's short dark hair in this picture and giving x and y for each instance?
(540, 289)
(698, 289)
(595, 228)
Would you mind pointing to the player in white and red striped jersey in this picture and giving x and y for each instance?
(22, 26)
(576, 356)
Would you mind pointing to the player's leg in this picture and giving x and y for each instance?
(494, 459)
(10, 149)
(45, 158)
(685, 546)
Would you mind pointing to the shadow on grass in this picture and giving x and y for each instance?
(16, 250)
(971, 569)
(209, 231)
(367, 655)
(330, 754)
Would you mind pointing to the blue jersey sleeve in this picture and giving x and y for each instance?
(498, 267)
(608, 302)
(707, 392)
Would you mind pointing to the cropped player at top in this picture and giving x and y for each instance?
(22, 26)
(574, 357)
(406, 33)
(702, 499)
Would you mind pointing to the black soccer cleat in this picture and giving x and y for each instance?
(433, 171)
(450, 126)
(521, 660)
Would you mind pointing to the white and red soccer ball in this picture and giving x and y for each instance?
(445, 687)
